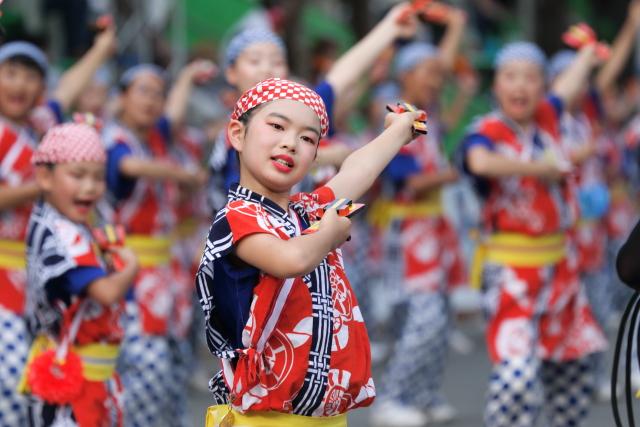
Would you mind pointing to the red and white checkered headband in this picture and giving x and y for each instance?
(272, 89)
(69, 143)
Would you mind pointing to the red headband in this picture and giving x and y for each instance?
(272, 89)
(68, 143)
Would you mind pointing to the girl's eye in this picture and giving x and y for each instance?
(277, 126)
(307, 139)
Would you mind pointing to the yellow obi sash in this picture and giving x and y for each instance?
(271, 418)
(383, 212)
(98, 360)
(151, 251)
(13, 255)
(186, 227)
(618, 192)
(517, 250)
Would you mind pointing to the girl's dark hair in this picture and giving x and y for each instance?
(245, 119)
(26, 62)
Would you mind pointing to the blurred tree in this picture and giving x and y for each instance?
(360, 16)
(551, 21)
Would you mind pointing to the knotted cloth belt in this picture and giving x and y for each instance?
(151, 251)
(271, 419)
(13, 255)
(383, 212)
(517, 250)
(98, 360)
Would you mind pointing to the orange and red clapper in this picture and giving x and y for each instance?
(420, 125)
(107, 237)
(580, 35)
(344, 207)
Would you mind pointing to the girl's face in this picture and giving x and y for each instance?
(278, 146)
(20, 89)
(92, 99)
(142, 102)
(422, 84)
(73, 188)
(258, 62)
(519, 87)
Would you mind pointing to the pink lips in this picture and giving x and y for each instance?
(282, 167)
(83, 207)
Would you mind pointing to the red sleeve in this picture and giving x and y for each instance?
(547, 117)
(7, 138)
(246, 218)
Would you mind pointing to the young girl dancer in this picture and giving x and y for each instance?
(280, 313)
(72, 299)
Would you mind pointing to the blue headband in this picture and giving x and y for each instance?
(13, 49)
(249, 37)
(520, 51)
(137, 70)
(412, 54)
(560, 62)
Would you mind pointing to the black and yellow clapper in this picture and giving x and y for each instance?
(344, 207)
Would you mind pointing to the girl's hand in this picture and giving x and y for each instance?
(339, 226)
(200, 70)
(128, 257)
(403, 121)
(552, 174)
(105, 41)
(402, 22)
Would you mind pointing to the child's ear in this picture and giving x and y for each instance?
(231, 76)
(236, 131)
(44, 177)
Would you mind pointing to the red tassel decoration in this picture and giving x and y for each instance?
(53, 381)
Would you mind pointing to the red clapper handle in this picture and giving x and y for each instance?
(420, 125)
(345, 207)
(416, 7)
(108, 237)
(580, 35)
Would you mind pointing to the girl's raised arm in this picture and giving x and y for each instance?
(362, 167)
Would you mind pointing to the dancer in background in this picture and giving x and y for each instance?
(255, 55)
(540, 327)
(422, 254)
(142, 196)
(23, 120)
(72, 299)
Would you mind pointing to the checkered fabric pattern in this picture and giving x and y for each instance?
(515, 395)
(413, 54)
(14, 347)
(600, 295)
(415, 372)
(272, 89)
(70, 142)
(12, 49)
(568, 387)
(181, 362)
(146, 372)
(521, 388)
(520, 51)
(249, 37)
(560, 62)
